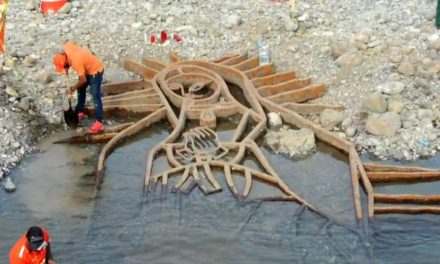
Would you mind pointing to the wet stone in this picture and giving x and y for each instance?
(9, 185)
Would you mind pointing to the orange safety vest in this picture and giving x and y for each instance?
(81, 60)
(20, 253)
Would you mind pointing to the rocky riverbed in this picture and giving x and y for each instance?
(379, 59)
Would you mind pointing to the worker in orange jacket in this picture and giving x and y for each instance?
(32, 248)
(90, 71)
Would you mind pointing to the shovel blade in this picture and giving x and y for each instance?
(71, 118)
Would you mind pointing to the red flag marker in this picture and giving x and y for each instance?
(163, 36)
(177, 38)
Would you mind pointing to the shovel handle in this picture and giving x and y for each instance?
(67, 80)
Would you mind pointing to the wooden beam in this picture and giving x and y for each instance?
(403, 176)
(300, 95)
(122, 87)
(390, 168)
(284, 87)
(274, 78)
(407, 210)
(407, 198)
(140, 69)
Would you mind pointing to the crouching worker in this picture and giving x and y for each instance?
(32, 248)
(90, 71)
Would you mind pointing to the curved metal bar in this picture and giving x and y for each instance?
(133, 129)
(207, 90)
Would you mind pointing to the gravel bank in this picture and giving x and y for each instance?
(379, 59)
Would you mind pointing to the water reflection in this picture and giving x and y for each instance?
(120, 224)
(407, 238)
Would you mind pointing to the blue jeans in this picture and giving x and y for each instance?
(95, 83)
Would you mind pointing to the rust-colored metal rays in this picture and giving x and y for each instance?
(201, 151)
(200, 91)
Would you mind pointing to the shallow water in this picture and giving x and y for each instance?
(120, 224)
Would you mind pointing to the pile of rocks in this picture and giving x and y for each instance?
(379, 59)
(293, 143)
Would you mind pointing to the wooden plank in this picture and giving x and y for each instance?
(235, 60)
(390, 168)
(121, 110)
(222, 59)
(140, 69)
(407, 210)
(134, 100)
(274, 78)
(355, 183)
(146, 91)
(403, 176)
(283, 87)
(407, 198)
(300, 95)
(122, 87)
(248, 64)
(154, 64)
(260, 71)
(305, 108)
(367, 184)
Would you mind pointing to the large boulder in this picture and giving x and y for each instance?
(383, 125)
(295, 143)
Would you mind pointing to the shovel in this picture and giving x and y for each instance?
(70, 115)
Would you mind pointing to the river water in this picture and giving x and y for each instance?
(119, 223)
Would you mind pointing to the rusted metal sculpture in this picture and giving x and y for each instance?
(198, 90)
